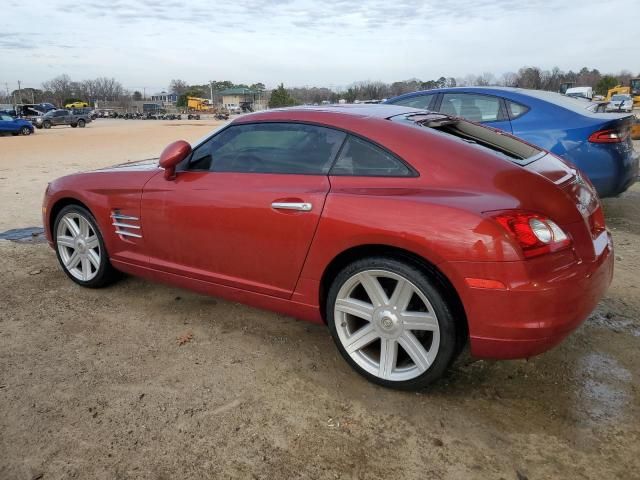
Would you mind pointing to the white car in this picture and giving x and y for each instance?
(620, 103)
(580, 92)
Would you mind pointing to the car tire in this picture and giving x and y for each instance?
(46, 124)
(391, 323)
(80, 248)
(73, 125)
(81, 123)
(25, 131)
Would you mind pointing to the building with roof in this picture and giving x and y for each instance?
(165, 98)
(242, 98)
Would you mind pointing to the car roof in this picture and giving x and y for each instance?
(514, 93)
(382, 111)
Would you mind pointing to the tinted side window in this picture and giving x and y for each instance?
(420, 101)
(270, 148)
(477, 108)
(516, 110)
(361, 158)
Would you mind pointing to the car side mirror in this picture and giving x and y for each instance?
(172, 155)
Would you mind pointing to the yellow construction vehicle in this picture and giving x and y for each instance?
(633, 89)
(617, 90)
(634, 85)
(198, 104)
(635, 129)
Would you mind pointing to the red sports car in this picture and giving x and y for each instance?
(408, 233)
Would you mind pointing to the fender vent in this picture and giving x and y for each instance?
(126, 225)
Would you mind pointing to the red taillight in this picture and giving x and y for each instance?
(536, 234)
(608, 136)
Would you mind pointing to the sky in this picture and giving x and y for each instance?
(146, 43)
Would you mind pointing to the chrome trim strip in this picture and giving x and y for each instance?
(303, 207)
(125, 225)
(118, 216)
(128, 234)
(565, 178)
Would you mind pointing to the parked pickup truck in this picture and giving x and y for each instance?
(61, 117)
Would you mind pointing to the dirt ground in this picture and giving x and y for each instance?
(93, 383)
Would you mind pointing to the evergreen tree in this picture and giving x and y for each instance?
(280, 98)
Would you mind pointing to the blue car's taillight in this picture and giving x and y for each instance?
(609, 136)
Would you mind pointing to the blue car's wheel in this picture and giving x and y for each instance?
(25, 131)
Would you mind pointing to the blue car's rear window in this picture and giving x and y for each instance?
(577, 105)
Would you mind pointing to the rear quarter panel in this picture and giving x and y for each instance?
(438, 215)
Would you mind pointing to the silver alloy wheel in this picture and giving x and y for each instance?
(78, 246)
(387, 325)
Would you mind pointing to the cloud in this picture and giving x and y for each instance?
(15, 41)
(149, 42)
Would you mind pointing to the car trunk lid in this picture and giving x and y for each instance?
(535, 160)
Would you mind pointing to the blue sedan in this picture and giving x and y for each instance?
(598, 143)
(16, 126)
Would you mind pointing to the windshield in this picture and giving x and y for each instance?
(620, 97)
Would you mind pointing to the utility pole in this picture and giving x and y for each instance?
(211, 88)
(144, 93)
(19, 92)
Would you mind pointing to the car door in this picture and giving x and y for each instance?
(61, 117)
(7, 124)
(243, 210)
(486, 109)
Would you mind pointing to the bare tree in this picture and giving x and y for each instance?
(509, 79)
(179, 87)
(530, 77)
(58, 89)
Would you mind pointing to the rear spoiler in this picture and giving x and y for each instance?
(507, 145)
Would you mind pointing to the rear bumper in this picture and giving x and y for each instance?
(542, 302)
(611, 169)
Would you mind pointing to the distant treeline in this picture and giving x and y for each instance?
(62, 89)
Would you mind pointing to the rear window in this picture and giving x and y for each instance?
(361, 158)
(578, 105)
(504, 145)
(516, 110)
(474, 107)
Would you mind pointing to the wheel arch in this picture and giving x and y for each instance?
(58, 206)
(354, 253)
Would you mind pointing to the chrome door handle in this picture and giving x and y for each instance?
(301, 206)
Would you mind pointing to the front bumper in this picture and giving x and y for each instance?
(542, 302)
